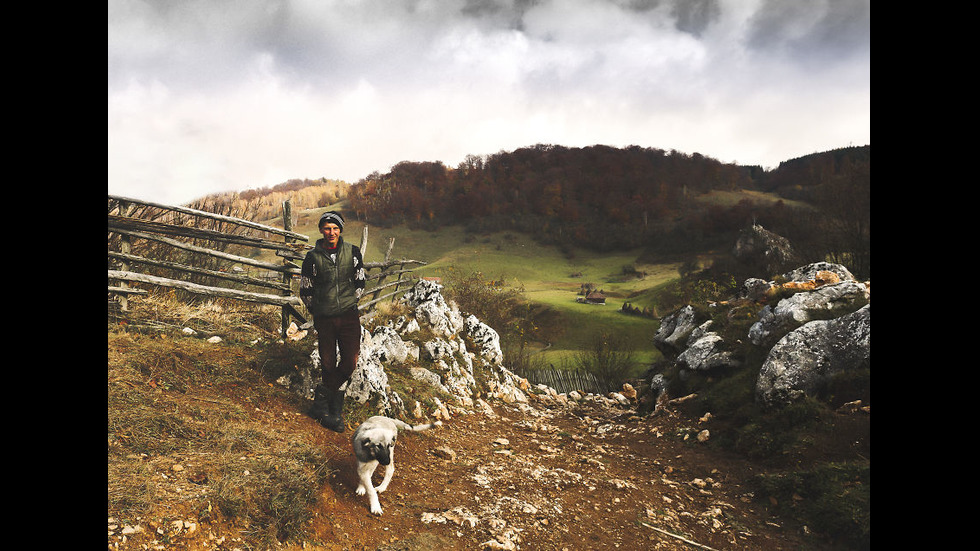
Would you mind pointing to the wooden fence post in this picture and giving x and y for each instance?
(126, 248)
(287, 278)
(384, 271)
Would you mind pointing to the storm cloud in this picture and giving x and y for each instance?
(220, 95)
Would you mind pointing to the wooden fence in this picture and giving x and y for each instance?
(209, 237)
(563, 380)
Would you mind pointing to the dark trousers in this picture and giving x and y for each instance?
(343, 331)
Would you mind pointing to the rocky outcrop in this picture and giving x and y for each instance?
(486, 340)
(814, 323)
(675, 330)
(806, 360)
(431, 309)
(707, 351)
(689, 340)
(764, 250)
(803, 307)
(458, 355)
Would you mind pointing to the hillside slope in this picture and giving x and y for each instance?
(206, 451)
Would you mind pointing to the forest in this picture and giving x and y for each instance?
(605, 198)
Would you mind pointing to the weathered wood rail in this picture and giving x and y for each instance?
(176, 231)
(563, 380)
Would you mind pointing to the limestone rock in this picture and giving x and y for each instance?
(426, 376)
(763, 249)
(486, 339)
(389, 346)
(675, 329)
(706, 350)
(431, 308)
(803, 361)
(812, 272)
(800, 308)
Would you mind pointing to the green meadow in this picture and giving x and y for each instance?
(548, 277)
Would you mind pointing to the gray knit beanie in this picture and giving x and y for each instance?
(332, 217)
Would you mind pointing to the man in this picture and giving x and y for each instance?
(331, 283)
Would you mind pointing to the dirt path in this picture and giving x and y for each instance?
(529, 478)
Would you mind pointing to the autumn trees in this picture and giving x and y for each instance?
(549, 190)
(604, 197)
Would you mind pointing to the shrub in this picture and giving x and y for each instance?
(610, 359)
(488, 300)
(505, 309)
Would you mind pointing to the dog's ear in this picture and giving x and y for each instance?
(364, 450)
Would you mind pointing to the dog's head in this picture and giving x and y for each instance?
(375, 446)
(380, 451)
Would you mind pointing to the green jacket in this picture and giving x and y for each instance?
(331, 284)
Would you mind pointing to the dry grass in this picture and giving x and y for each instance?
(384, 312)
(195, 429)
(169, 311)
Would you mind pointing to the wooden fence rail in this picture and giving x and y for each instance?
(172, 231)
(563, 380)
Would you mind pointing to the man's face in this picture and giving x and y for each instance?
(331, 233)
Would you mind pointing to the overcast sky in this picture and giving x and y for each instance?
(228, 95)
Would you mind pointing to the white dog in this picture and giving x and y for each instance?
(374, 444)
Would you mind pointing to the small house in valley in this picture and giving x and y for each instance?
(593, 297)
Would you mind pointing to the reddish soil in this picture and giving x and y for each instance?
(585, 478)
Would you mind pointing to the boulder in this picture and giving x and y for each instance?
(436, 349)
(672, 336)
(807, 359)
(705, 351)
(762, 249)
(800, 308)
(370, 381)
(485, 338)
(390, 347)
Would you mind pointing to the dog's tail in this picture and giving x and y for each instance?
(426, 426)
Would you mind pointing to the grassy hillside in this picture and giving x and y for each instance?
(731, 198)
(548, 277)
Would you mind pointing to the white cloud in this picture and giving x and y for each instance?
(204, 98)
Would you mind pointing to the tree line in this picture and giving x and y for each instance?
(607, 198)
(559, 193)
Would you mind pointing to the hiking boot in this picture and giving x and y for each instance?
(335, 420)
(321, 404)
